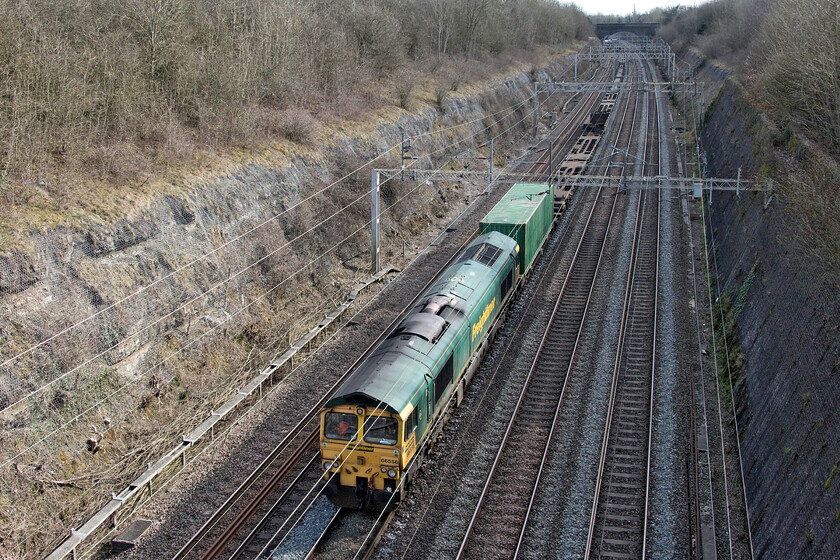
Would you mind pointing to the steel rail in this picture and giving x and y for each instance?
(320, 539)
(550, 263)
(378, 537)
(226, 507)
(294, 432)
(622, 360)
(693, 470)
(530, 375)
(661, 137)
(616, 368)
(523, 392)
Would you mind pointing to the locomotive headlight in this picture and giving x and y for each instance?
(328, 465)
(396, 452)
(392, 473)
(384, 470)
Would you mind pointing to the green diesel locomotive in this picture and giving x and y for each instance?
(377, 424)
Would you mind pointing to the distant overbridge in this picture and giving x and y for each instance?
(603, 30)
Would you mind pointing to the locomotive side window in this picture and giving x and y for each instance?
(507, 283)
(444, 377)
(381, 430)
(340, 425)
(410, 424)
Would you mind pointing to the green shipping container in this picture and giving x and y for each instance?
(525, 213)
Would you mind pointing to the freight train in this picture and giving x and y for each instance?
(382, 420)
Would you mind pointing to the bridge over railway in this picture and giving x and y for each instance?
(604, 30)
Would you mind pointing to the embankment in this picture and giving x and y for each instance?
(120, 335)
(787, 309)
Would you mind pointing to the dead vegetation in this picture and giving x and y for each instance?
(787, 55)
(112, 92)
(126, 408)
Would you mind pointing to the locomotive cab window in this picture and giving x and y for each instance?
(340, 425)
(381, 430)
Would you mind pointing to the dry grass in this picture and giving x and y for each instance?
(813, 192)
(404, 89)
(111, 180)
(795, 82)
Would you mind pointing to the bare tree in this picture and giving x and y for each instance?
(155, 21)
(441, 17)
(800, 78)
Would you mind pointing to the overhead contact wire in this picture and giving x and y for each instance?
(246, 233)
(200, 337)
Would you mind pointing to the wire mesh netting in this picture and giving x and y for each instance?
(117, 338)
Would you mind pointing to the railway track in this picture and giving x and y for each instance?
(619, 514)
(499, 522)
(284, 513)
(300, 486)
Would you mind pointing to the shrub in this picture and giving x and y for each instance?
(298, 126)
(404, 88)
(441, 94)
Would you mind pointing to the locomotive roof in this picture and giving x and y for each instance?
(393, 374)
(387, 380)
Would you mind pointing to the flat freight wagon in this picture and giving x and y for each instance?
(526, 214)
